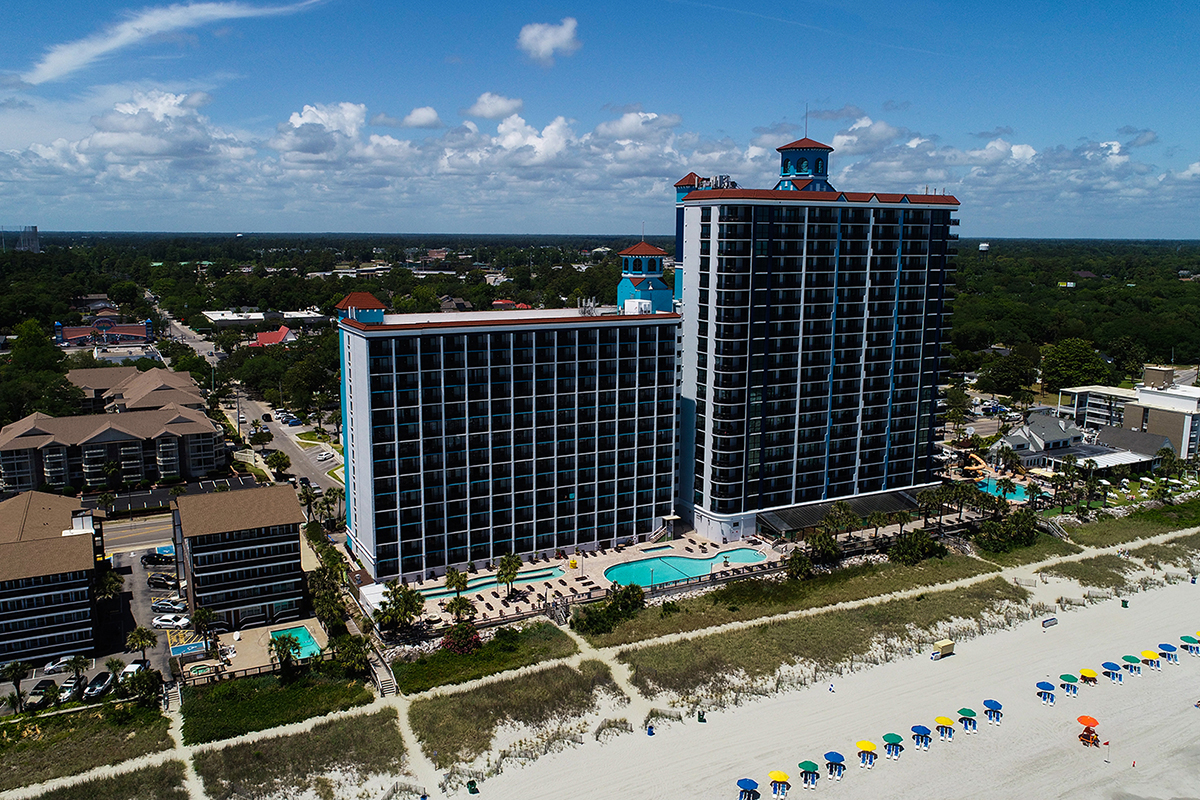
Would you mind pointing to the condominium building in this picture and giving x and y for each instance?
(49, 548)
(1158, 405)
(240, 554)
(98, 450)
(813, 323)
(121, 389)
(472, 435)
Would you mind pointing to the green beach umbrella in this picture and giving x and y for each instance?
(1068, 679)
(894, 738)
(966, 712)
(1189, 640)
(808, 766)
(1131, 659)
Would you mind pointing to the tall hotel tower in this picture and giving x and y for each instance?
(471, 435)
(813, 323)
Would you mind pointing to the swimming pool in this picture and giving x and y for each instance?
(489, 582)
(663, 569)
(308, 645)
(989, 486)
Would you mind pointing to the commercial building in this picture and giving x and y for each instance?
(1158, 405)
(472, 435)
(240, 554)
(1094, 406)
(49, 548)
(813, 323)
(104, 330)
(102, 449)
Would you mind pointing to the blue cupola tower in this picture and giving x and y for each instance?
(804, 165)
(642, 277)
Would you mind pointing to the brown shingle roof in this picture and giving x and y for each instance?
(32, 541)
(156, 388)
(244, 509)
(101, 379)
(39, 430)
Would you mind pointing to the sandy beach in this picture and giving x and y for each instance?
(1149, 720)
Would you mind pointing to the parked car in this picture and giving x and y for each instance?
(157, 559)
(324, 456)
(99, 686)
(133, 668)
(172, 622)
(161, 580)
(57, 666)
(294, 422)
(166, 605)
(266, 417)
(304, 481)
(37, 695)
(72, 688)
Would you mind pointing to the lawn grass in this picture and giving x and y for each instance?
(1178, 552)
(825, 638)
(1044, 548)
(231, 708)
(37, 749)
(540, 642)
(457, 728)
(313, 436)
(1104, 571)
(1138, 525)
(757, 597)
(164, 782)
(293, 765)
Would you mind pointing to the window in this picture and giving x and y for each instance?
(787, 165)
(820, 166)
(803, 165)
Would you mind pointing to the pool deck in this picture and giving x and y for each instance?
(254, 647)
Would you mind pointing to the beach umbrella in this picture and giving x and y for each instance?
(1088, 673)
(1068, 678)
(944, 720)
(747, 785)
(808, 766)
(1167, 648)
(992, 704)
(1087, 722)
(834, 757)
(920, 730)
(865, 745)
(1048, 687)
(777, 776)
(1111, 666)
(966, 712)
(892, 738)
(1131, 659)
(1150, 655)
(1189, 640)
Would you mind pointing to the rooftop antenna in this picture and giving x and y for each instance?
(643, 230)
(806, 120)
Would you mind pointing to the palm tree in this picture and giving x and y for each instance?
(1034, 492)
(105, 500)
(114, 665)
(507, 569)
(336, 493)
(877, 520)
(286, 649)
(1091, 487)
(455, 580)
(307, 498)
(928, 501)
(77, 664)
(141, 638)
(14, 672)
(203, 617)
(460, 607)
(902, 518)
(107, 582)
(1006, 486)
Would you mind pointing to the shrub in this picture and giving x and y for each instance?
(799, 565)
(913, 548)
(462, 639)
(623, 604)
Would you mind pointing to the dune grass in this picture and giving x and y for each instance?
(540, 642)
(1178, 552)
(365, 746)
(1139, 525)
(758, 597)
(457, 728)
(1103, 571)
(1046, 547)
(37, 749)
(825, 638)
(164, 782)
(231, 708)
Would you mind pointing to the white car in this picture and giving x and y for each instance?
(325, 456)
(172, 621)
(59, 665)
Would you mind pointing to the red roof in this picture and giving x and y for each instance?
(794, 195)
(271, 337)
(691, 179)
(642, 249)
(361, 301)
(805, 144)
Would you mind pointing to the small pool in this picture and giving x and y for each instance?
(308, 645)
(656, 548)
(489, 582)
(989, 486)
(663, 569)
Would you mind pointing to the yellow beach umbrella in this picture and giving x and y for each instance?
(943, 721)
(777, 776)
(1087, 673)
(1150, 655)
(867, 746)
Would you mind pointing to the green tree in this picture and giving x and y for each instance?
(279, 462)
(14, 672)
(78, 664)
(352, 653)
(202, 618)
(913, 548)
(799, 565)
(107, 582)
(114, 665)
(461, 607)
(507, 569)
(285, 649)
(456, 581)
(260, 438)
(1072, 362)
(141, 638)
(878, 519)
(822, 546)
(400, 606)
(308, 499)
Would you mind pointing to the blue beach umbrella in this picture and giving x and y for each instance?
(992, 704)
(1045, 686)
(1166, 648)
(834, 757)
(920, 730)
(1111, 666)
(747, 785)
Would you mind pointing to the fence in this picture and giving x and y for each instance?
(217, 675)
(406, 787)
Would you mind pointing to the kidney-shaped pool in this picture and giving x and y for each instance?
(663, 569)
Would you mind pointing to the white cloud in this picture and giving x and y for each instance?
(345, 118)
(542, 40)
(423, 117)
(63, 59)
(494, 106)
(636, 123)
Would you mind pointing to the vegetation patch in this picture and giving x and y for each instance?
(457, 728)
(289, 765)
(164, 782)
(38, 749)
(758, 597)
(508, 649)
(826, 639)
(1105, 571)
(1043, 548)
(1180, 552)
(230, 708)
(1139, 525)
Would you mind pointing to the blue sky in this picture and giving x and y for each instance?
(1060, 120)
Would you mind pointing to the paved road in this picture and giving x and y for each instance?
(137, 535)
(304, 459)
